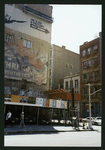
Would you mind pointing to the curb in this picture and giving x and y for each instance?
(19, 132)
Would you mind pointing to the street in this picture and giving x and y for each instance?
(51, 139)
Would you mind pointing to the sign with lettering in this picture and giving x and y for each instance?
(38, 25)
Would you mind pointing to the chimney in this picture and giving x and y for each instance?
(63, 47)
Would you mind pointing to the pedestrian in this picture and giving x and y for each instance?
(8, 119)
(22, 119)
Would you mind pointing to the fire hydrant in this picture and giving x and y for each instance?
(83, 125)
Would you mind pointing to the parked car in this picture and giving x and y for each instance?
(98, 121)
(45, 121)
(29, 119)
(87, 119)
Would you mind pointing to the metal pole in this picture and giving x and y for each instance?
(90, 124)
(38, 116)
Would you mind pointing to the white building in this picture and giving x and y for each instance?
(75, 78)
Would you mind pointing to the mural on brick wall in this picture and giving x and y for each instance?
(21, 63)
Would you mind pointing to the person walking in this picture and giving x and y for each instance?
(8, 119)
(22, 119)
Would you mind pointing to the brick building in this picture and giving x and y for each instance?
(62, 62)
(90, 72)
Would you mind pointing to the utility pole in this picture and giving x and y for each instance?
(90, 124)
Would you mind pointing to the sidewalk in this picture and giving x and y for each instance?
(40, 129)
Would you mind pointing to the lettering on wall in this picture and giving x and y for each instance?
(38, 25)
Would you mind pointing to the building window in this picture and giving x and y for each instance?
(84, 64)
(84, 92)
(89, 51)
(83, 53)
(76, 83)
(89, 63)
(84, 77)
(95, 48)
(50, 72)
(71, 84)
(9, 38)
(66, 84)
(27, 43)
(50, 54)
(96, 75)
(51, 62)
(95, 89)
(95, 61)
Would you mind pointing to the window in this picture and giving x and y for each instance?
(50, 53)
(71, 84)
(83, 53)
(50, 72)
(96, 74)
(84, 77)
(9, 38)
(89, 63)
(66, 83)
(95, 61)
(95, 48)
(95, 89)
(89, 51)
(50, 62)
(84, 64)
(84, 91)
(27, 43)
(76, 83)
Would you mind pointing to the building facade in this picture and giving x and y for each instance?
(62, 63)
(90, 72)
(73, 79)
(27, 49)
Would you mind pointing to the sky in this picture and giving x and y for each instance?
(75, 24)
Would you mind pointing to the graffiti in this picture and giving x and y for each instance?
(8, 20)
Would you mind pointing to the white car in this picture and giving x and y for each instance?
(87, 119)
(98, 121)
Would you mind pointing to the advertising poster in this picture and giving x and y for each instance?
(44, 102)
(54, 103)
(58, 103)
(24, 99)
(39, 101)
(47, 102)
(62, 104)
(51, 102)
(65, 104)
(32, 100)
(15, 98)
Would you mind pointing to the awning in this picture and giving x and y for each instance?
(61, 94)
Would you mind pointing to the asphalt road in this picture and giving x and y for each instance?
(66, 139)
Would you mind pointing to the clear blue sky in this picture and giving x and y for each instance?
(75, 24)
